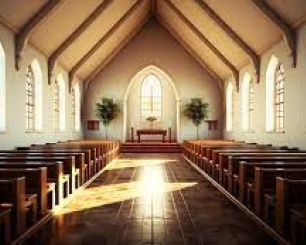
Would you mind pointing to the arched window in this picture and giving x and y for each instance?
(247, 103)
(30, 99)
(151, 98)
(34, 97)
(275, 95)
(76, 108)
(279, 97)
(60, 104)
(229, 107)
(2, 89)
(56, 106)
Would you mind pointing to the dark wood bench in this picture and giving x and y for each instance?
(288, 193)
(54, 174)
(298, 224)
(68, 163)
(13, 195)
(36, 183)
(231, 171)
(5, 224)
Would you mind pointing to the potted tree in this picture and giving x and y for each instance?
(106, 111)
(197, 111)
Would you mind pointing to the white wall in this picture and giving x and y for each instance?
(15, 133)
(154, 46)
(295, 99)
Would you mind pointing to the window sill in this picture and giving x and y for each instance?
(275, 132)
(33, 132)
(3, 132)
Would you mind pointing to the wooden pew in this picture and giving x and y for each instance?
(13, 195)
(288, 193)
(230, 167)
(264, 183)
(86, 157)
(5, 224)
(54, 174)
(298, 224)
(68, 165)
(36, 183)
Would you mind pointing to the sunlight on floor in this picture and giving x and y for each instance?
(150, 185)
(130, 163)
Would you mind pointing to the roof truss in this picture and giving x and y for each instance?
(24, 34)
(287, 31)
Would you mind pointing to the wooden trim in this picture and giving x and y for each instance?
(105, 38)
(289, 33)
(24, 34)
(255, 59)
(74, 36)
(153, 6)
(190, 51)
(203, 38)
(109, 58)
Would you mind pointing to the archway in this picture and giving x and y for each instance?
(132, 115)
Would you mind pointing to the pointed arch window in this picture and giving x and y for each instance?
(247, 103)
(229, 107)
(2, 89)
(56, 106)
(75, 108)
(275, 81)
(151, 98)
(279, 97)
(30, 99)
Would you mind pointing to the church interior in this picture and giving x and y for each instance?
(161, 122)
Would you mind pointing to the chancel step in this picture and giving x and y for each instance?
(152, 147)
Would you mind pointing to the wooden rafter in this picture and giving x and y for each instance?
(289, 33)
(74, 36)
(109, 58)
(190, 51)
(200, 35)
(255, 59)
(153, 6)
(24, 34)
(106, 37)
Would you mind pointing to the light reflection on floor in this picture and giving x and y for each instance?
(151, 183)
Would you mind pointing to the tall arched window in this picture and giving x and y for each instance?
(56, 106)
(30, 99)
(229, 107)
(275, 95)
(247, 103)
(76, 108)
(34, 97)
(151, 98)
(60, 103)
(279, 97)
(2, 89)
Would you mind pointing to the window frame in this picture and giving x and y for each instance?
(30, 100)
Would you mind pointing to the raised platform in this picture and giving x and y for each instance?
(151, 147)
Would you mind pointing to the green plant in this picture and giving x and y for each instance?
(196, 111)
(106, 111)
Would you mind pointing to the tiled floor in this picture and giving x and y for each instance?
(150, 199)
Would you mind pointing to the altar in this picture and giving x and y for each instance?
(152, 131)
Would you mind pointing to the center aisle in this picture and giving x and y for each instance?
(150, 199)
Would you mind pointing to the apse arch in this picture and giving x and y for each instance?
(162, 76)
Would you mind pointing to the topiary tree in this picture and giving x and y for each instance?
(106, 111)
(196, 111)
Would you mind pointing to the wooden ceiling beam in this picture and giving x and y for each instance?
(255, 59)
(74, 36)
(22, 37)
(289, 33)
(190, 51)
(110, 57)
(153, 6)
(105, 38)
(200, 35)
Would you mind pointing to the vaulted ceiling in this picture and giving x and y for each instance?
(83, 36)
